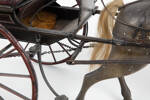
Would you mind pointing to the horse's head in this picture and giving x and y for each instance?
(133, 22)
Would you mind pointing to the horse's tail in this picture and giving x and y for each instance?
(105, 26)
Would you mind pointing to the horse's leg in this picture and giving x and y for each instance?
(93, 77)
(124, 89)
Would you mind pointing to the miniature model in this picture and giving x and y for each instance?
(122, 46)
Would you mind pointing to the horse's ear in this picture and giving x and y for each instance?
(105, 27)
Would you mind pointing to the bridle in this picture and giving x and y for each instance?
(124, 23)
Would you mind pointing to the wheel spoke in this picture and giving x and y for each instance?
(75, 5)
(6, 54)
(5, 48)
(14, 92)
(67, 46)
(14, 75)
(76, 41)
(64, 49)
(52, 53)
(26, 46)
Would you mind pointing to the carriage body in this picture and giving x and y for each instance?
(75, 18)
(69, 21)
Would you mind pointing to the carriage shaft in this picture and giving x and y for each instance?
(129, 61)
(116, 42)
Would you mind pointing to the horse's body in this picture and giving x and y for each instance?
(135, 15)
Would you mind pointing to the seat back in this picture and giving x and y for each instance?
(32, 7)
(9, 2)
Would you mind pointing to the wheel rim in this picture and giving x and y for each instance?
(5, 51)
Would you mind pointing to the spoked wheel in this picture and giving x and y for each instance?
(58, 52)
(16, 81)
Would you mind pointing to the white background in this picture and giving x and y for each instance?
(68, 79)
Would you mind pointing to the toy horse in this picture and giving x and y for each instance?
(132, 23)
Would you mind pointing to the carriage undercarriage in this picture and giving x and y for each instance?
(66, 28)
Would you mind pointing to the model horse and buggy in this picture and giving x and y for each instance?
(122, 47)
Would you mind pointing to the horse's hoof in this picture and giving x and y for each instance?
(78, 98)
(62, 97)
(128, 98)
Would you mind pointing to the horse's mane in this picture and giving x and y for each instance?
(105, 26)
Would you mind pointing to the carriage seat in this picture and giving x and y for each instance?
(65, 15)
(53, 11)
